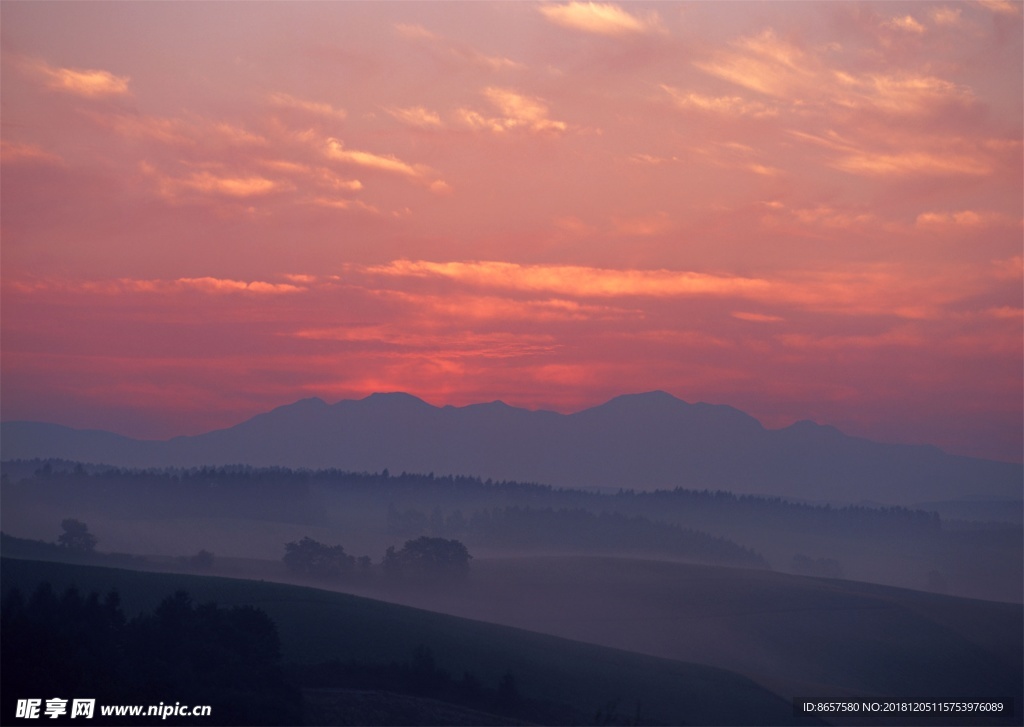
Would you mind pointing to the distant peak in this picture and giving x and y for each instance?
(394, 396)
(648, 396)
(496, 405)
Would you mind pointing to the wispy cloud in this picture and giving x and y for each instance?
(230, 186)
(119, 286)
(770, 65)
(221, 285)
(764, 63)
(389, 163)
(756, 317)
(317, 108)
(574, 280)
(971, 219)
(207, 183)
(873, 291)
(318, 176)
(340, 203)
(1002, 7)
(439, 344)
(882, 163)
(452, 53)
(137, 126)
(917, 155)
(518, 112)
(600, 18)
(906, 23)
(899, 93)
(90, 83)
(416, 116)
(18, 153)
(946, 16)
(724, 105)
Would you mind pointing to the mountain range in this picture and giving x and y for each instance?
(639, 441)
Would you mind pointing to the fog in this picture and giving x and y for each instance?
(803, 599)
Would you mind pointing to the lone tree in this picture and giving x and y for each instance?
(308, 557)
(76, 536)
(428, 558)
(203, 560)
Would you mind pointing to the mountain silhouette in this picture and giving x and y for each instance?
(640, 441)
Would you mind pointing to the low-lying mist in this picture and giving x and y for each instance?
(250, 513)
(796, 597)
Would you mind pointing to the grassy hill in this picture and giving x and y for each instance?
(316, 625)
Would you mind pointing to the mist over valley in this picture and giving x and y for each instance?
(791, 598)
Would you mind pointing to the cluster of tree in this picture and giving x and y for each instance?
(69, 645)
(424, 558)
(429, 559)
(76, 536)
(312, 559)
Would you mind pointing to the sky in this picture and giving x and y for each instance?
(806, 210)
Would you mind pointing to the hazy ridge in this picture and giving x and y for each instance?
(644, 441)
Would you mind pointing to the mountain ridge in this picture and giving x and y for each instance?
(646, 440)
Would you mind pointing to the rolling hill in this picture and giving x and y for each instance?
(316, 626)
(685, 644)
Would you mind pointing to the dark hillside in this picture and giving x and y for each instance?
(317, 626)
(800, 635)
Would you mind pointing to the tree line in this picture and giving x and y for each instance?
(68, 645)
(276, 484)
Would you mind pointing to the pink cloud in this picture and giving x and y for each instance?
(90, 83)
(762, 209)
(600, 18)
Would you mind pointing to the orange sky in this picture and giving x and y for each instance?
(806, 210)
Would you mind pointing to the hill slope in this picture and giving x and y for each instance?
(812, 637)
(319, 625)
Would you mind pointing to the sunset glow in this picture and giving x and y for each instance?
(804, 210)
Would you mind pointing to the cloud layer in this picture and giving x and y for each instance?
(805, 210)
